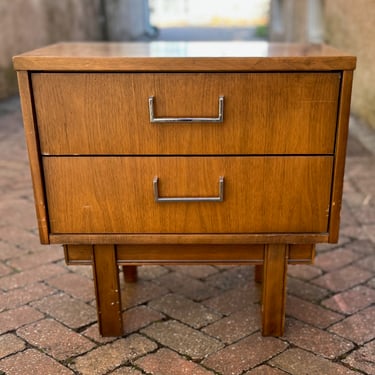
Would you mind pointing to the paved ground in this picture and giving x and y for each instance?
(184, 320)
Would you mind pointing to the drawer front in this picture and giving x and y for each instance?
(264, 113)
(117, 194)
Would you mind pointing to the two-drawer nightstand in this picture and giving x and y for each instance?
(186, 153)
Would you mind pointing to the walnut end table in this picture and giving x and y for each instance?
(186, 153)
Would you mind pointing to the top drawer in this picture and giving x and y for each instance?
(108, 113)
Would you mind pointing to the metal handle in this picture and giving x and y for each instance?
(219, 118)
(159, 199)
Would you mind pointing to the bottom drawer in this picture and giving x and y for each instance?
(288, 194)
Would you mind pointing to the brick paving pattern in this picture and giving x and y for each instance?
(193, 320)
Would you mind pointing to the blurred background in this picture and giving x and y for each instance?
(348, 25)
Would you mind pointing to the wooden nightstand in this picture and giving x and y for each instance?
(185, 153)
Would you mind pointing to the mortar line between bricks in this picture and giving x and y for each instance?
(335, 359)
(127, 364)
(344, 316)
(339, 361)
(276, 355)
(185, 356)
(332, 292)
(98, 345)
(29, 346)
(347, 315)
(324, 272)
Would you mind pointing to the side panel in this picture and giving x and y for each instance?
(340, 154)
(34, 156)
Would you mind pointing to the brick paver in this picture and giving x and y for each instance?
(234, 300)
(5, 270)
(167, 362)
(126, 371)
(13, 319)
(231, 277)
(72, 312)
(37, 258)
(139, 317)
(151, 272)
(352, 300)
(10, 344)
(361, 246)
(311, 313)
(297, 362)
(106, 358)
(8, 251)
(21, 279)
(185, 310)
(343, 279)
(304, 271)
(55, 339)
(75, 285)
(32, 362)
(265, 370)
(335, 259)
(183, 339)
(189, 287)
(92, 332)
(316, 340)
(370, 231)
(20, 235)
(367, 263)
(197, 271)
(363, 358)
(359, 327)
(196, 320)
(247, 353)
(22, 296)
(306, 290)
(141, 292)
(236, 326)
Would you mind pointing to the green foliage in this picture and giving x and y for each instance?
(261, 31)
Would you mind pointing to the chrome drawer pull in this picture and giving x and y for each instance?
(159, 199)
(219, 118)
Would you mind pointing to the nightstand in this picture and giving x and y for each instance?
(186, 153)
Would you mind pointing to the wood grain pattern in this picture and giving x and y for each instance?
(185, 56)
(114, 195)
(128, 255)
(274, 289)
(340, 152)
(190, 254)
(33, 153)
(130, 274)
(189, 239)
(258, 273)
(78, 254)
(274, 113)
(107, 289)
(94, 155)
(301, 253)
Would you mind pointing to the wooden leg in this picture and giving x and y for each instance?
(107, 288)
(130, 274)
(274, 289)
(258, 276)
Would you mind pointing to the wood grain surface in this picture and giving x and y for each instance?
(273, 113)
(261, 194)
